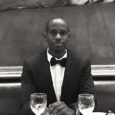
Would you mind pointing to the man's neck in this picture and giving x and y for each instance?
(57, 54)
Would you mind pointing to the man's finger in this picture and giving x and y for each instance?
(53, 106)
(63, 112)
(58, 109)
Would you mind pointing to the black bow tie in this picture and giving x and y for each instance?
(62, 62)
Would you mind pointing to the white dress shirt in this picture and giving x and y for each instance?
(57, 73)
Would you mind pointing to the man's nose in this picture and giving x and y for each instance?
(58, 36)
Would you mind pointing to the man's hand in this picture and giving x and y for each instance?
(46, 112)
(60, 108)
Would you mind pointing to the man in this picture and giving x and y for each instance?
(63, 80)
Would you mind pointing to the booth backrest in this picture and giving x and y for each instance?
(10, 97)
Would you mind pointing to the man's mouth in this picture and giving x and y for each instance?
(58, 44)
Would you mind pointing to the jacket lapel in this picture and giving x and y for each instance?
(68, 73)
(47, 73)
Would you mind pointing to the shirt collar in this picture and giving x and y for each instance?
(49, 56)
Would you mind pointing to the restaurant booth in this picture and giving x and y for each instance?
(92, 26)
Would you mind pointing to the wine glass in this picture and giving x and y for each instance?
(38, 102)
(86, 103)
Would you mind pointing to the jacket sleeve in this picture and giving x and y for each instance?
(86, 83)
(27, 88)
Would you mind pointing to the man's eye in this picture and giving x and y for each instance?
(53, 32)
(63, 33)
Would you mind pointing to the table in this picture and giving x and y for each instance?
(97, 113)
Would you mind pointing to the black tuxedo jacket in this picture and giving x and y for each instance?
(36, 77)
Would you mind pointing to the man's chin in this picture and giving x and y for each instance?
(59, 49)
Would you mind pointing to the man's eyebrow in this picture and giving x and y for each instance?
(64, 29)
(52, 29)
(60, 29)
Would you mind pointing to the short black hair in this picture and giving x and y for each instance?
(53, 19)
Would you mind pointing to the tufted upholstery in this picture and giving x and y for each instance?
(92, 32)
(10, 97)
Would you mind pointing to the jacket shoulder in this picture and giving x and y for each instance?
(78, 56)
(36, 58)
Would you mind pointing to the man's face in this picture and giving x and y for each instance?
(57, 35)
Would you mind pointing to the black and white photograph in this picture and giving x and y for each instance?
(57, 57)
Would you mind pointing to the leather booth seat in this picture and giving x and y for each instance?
(105, 94)
(10, 97)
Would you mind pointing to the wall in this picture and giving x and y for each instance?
(92, 28)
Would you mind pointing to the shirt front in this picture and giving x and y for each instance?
(57, 73)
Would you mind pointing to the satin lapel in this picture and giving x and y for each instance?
(68, 73)
(47, 73)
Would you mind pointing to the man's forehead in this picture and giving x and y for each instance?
(58, 23)
(58, 20)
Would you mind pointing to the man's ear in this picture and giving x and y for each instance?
(45, 35)
(69, 35)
